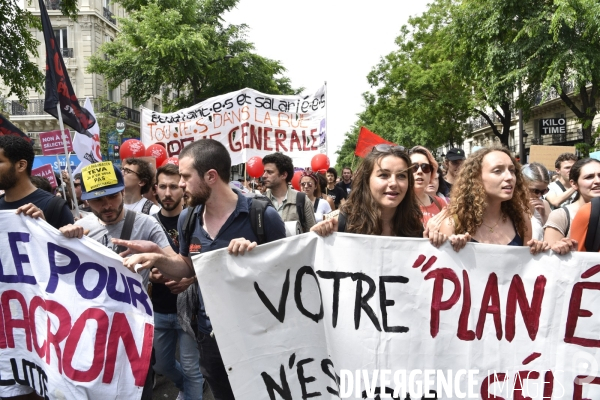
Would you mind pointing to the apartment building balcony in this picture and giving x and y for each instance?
(109, 16)
(52, 4)
(35, 107)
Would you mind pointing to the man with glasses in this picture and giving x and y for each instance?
(138, 177)
(452, 163)
(111, 220)
(289, 203)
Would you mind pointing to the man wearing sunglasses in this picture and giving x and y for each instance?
(138, 177)
(453, 162)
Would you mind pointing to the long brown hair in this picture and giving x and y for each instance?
(363, 213)
(468, 198)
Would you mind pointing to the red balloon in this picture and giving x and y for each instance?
(320, 161)
(132, 148)
(157, 151)
(254, 167)
(296, 180)
(170, 160)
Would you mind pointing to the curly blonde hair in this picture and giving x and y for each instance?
(363, 214)
(468, 197)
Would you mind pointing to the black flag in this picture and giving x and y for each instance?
(58, 85)
(6, 128)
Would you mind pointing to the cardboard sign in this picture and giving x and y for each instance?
(547, 155)
(52, 142)
(397, 315)
(74, 323)
(98, 175)
(248, 123)
(46, 171)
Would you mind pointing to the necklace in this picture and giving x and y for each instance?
(491, 228)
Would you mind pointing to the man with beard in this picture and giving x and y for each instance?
(185, 373)
(16, 162)
(110, 220)
(222, 221)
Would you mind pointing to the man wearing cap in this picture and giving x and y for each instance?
(453, 162)
(110, 220)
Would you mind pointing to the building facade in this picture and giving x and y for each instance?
(97, 23)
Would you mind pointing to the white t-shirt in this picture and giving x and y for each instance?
(322, 208)
(139, 206)
(555, 190)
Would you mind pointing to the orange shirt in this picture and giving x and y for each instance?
(431, 210)
(580, 225)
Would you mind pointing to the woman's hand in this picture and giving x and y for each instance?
(325, 228)
(436, 238)
(459, 241)
(564, 246)
(537, 246)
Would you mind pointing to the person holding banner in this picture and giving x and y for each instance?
(16, 162)
(382, 200)
(220, 219)
(489, 202)
(584, 176)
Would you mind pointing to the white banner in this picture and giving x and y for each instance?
(248, 123)
(74, 323)
(399, 314)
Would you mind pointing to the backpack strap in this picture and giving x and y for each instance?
(592, 238)
(436, 202)
(300, 201)
(53, 211)
(147, 207)
(317, 203)
(568, 220)
(560, 185)
(127, 229)
(257, 217)
(341, 222)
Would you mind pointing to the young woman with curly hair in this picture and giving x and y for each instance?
(382, 200)
(489, 202)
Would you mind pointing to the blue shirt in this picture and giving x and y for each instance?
(237, 226)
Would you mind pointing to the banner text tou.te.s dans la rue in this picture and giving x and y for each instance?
(74, 323)
(248, 123)
(353, 316)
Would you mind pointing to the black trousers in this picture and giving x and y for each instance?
(212, 368)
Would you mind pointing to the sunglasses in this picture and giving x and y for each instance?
(387, 147)
(539, 192)
(426, 168)
(306, 184)
(127, 171)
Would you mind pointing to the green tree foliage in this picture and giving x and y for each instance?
(183, 47)
(18, 70)
(562, 40)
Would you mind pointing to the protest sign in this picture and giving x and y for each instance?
(45, 171)
(547, 155)
(74, 323)
(400, 316)
(52, 142)
(98, 175)
(247, 122)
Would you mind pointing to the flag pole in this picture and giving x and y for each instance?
(67, 161)
(326, 123)
(62, 184)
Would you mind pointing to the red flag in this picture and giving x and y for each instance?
(58, 84)
(6, 128)
(366, 141)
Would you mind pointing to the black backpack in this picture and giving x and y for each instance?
(257, 217)
(592, 238)
(300, 201)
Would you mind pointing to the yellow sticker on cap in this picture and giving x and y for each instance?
(98, 175)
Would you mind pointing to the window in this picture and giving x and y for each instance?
(60, 35)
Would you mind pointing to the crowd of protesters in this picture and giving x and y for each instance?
(488, 197)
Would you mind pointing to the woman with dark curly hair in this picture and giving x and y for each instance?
(382, 200)
(489, 202)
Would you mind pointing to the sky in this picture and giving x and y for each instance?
(332, 41)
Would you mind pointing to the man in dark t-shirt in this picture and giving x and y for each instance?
(16, 162)
(337, 194)
(346, 182)
(184, 373)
